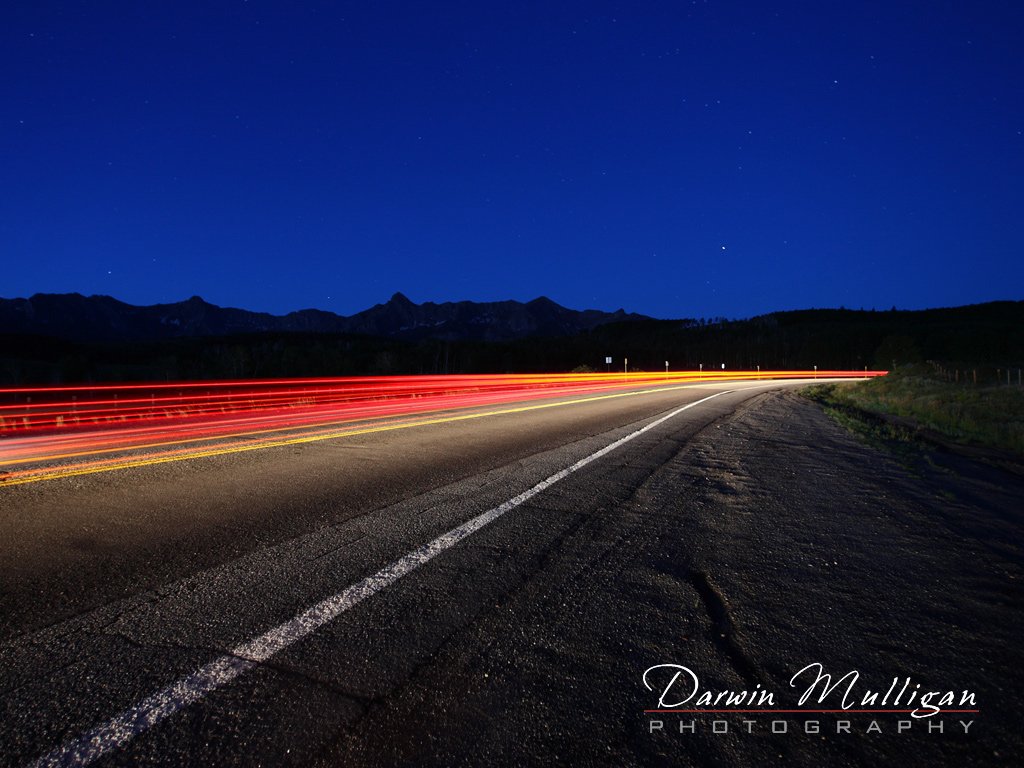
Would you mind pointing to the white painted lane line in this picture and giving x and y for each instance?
(133, 721)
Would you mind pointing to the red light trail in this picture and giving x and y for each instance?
(48, 432)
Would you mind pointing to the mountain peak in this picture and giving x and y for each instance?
(543, 301)
(400, 298)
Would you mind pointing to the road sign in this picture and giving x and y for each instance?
(607, 361)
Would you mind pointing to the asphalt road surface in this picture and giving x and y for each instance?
(492, 591)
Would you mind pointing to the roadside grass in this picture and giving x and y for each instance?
(990, 416)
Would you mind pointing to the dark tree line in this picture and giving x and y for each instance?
(981, 335)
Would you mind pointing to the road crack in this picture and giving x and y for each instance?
(723, 628)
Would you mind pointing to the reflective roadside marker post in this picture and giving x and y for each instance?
(608, 363)
(702, 369)
(666, 366)
(625, 366)
(759, 371)
(815, 371)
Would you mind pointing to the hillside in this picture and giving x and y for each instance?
(74, 317)
(988, 338)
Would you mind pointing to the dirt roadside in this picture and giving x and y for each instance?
(819, 548)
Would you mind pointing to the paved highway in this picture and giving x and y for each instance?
(491, 589)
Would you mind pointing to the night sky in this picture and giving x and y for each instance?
(675, 159)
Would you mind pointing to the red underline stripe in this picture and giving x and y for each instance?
(807, 711)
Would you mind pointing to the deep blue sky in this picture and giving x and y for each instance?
(675, 159)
